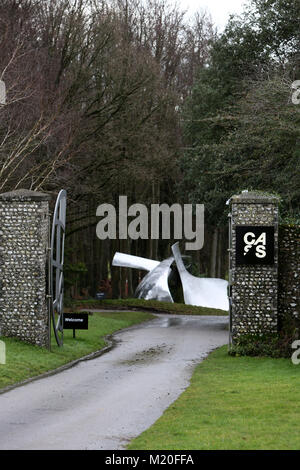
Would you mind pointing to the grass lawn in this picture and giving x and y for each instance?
(153, 305)
(24, 360)
(233, 403)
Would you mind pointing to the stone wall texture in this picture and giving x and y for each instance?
(253, 288)
(24, 225)
(289, 272)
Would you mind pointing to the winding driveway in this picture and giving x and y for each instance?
(105, 402)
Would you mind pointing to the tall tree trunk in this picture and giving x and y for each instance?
(115, 273)
(213, 253)
(219, 259)
(130, 286)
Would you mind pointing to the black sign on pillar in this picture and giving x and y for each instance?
(254, 244)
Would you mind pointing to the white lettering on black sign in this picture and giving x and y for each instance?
(258, 244)
(78, 321)
(254, 245)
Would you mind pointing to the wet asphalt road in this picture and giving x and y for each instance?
(105, 402)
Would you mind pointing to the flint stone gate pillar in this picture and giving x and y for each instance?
(253, 265)
(24, 228)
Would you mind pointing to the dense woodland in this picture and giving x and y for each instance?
(137, 98)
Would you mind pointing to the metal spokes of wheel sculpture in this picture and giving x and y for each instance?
(57, 264)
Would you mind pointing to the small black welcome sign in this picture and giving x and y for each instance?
(254, 245)
(76, 321)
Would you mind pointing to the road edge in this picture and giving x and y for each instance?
(109, 338)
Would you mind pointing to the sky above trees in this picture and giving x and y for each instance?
(219, 9)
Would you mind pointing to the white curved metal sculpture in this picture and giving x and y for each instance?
(155, 284)
(200, 291)
(130, 261)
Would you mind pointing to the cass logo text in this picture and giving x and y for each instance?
(254, 244)
(258, 244)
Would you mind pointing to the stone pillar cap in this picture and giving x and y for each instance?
(254, 198)
(24, 195)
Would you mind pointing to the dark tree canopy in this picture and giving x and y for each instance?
(241, 128)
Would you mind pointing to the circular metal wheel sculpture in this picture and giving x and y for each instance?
(56, 265)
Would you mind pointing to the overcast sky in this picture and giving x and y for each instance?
(219, 9)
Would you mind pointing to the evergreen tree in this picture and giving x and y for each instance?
(241, 128)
